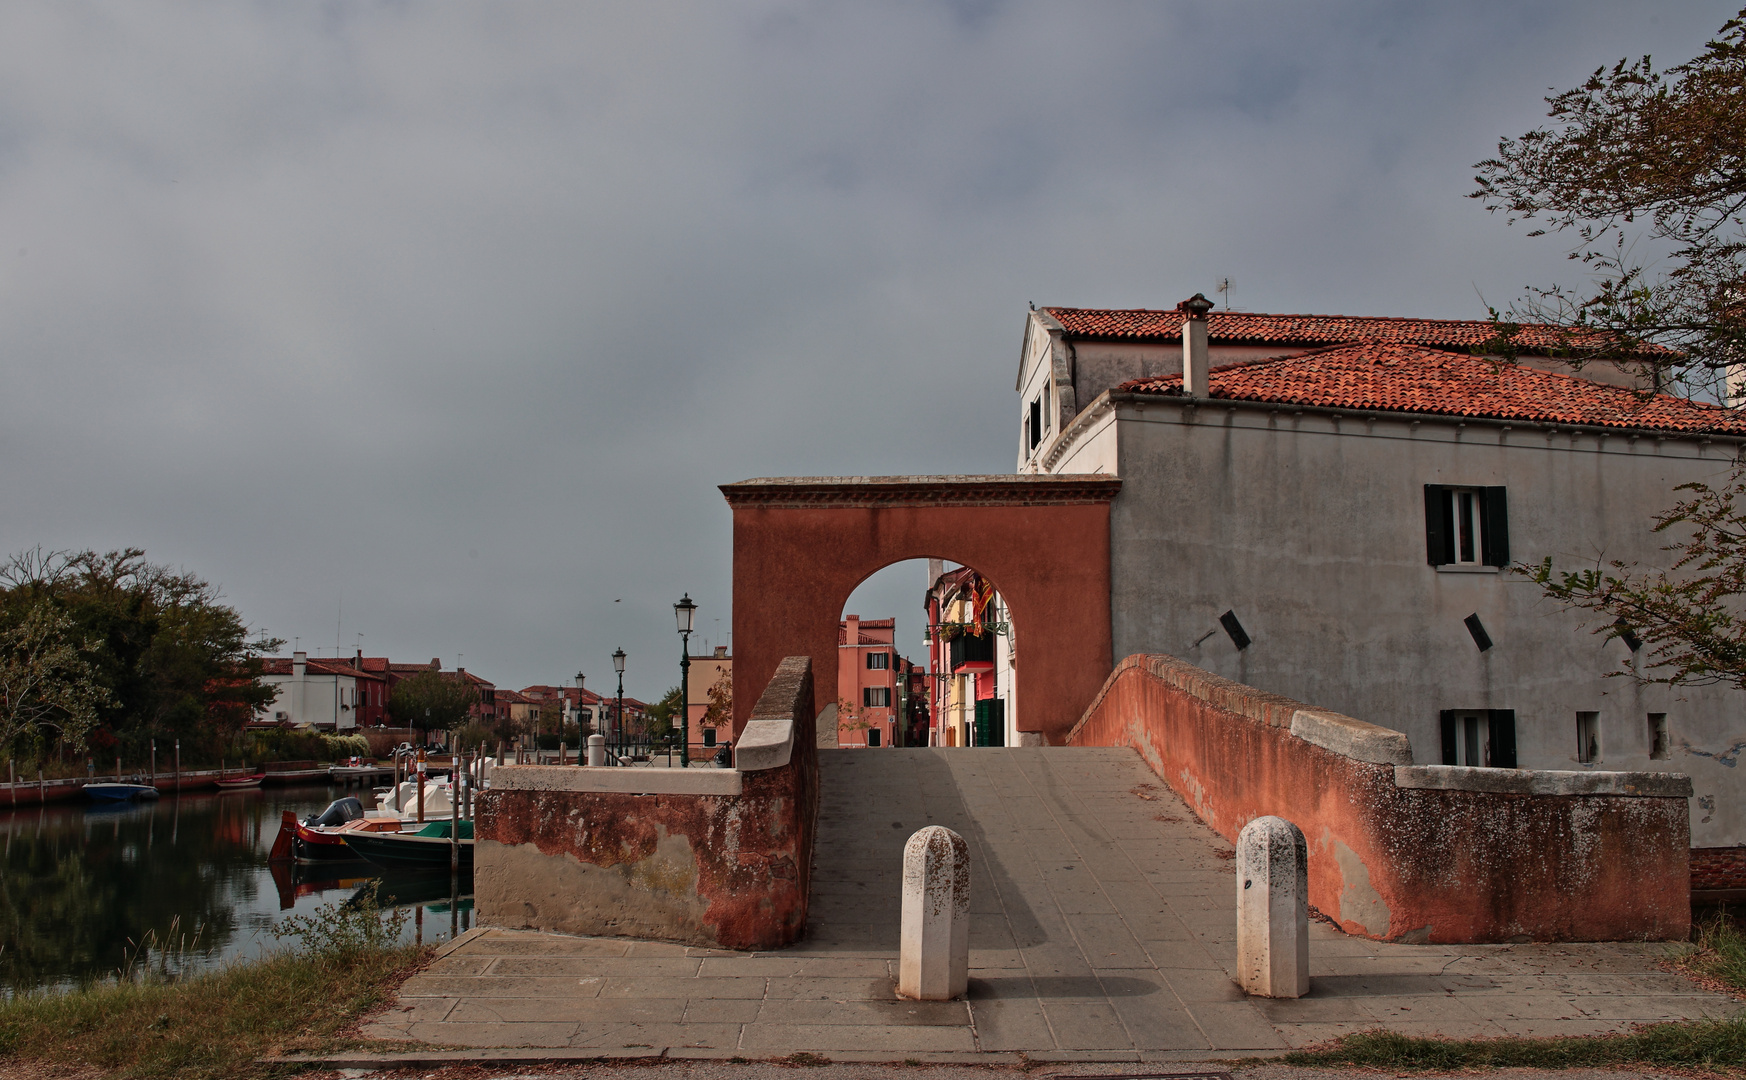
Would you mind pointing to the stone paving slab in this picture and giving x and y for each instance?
(1103, 929)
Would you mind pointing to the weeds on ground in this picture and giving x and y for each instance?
(1718, 954)
(1701, 1044)
(150, 1024)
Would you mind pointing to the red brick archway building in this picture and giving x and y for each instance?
(802, 545)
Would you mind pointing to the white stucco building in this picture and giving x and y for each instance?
(1329, 510)
(321, 693)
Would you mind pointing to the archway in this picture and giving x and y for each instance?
(802, 544)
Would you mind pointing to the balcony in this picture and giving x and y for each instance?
(972, 650)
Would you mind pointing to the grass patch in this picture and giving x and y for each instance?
(216, 1024)
(1719, 953)
(1701, 1044)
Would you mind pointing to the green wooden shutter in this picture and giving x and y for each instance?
(1502, 749)
(1495, 524)
(1439, 529)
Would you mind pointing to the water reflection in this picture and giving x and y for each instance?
(83, 885)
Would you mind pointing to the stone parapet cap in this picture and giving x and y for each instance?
(1542, 781)
(616, 780)
(1352, 738)
(1000, 489)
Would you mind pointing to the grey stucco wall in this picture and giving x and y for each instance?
(1311, 529)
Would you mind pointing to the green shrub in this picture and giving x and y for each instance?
(344, 746)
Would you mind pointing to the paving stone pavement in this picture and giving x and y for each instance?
(1102, 926)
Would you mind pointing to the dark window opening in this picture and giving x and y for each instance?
(873, 736)
(1466, 526)
(1658, 741)
(1587, 737)
(1036, 422)
(708, 736)
(1479, 738)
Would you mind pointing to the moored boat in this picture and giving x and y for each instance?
(322, 837)
(115, 791)
(239, 783)
(426, 849)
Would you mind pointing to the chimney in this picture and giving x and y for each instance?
(851, 629)
(936, 568)
(1194, 361)
(721, 652)
(436, 663)
(299, 664)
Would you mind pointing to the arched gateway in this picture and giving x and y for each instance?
(802, 545)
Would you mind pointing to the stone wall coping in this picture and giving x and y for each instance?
(767, 740)
(616, 779)
(1361, 741)
(1542, 781)
(1000, 489)
(1352, 738)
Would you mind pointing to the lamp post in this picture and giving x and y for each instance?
(685, 611)
(618, 710)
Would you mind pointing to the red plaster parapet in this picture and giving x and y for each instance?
(1410, 852)
(721, 858)
(1069, 489)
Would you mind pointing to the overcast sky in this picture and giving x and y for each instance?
(440, 323)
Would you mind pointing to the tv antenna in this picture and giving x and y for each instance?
(1225, 287)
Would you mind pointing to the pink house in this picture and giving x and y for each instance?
(867, 690)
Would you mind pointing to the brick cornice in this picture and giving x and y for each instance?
(881, 491)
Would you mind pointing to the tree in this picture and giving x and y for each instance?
(720, 711)
(1645, 169)
(1688, 616)
(662, 715)
(48, 685)
(169, 656)
(431, 700)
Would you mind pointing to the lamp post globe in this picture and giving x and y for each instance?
(618, 707)
(684, 612)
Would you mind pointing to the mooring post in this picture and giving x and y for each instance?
(1273, 909)
(454, 827)
(418, 774)
(934, 955)
(178, 764)
(597, 750)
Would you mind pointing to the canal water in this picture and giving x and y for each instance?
(182, 883)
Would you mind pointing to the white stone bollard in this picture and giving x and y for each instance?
(597, 750)
(934, 958)
(1273, 909)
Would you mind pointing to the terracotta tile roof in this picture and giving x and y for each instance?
(1258, 328)
(281, 665)
(1408, 378)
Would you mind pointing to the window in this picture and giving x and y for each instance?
(708, 736)
(1481, 738)
(1466, 526)
(878, 661)
(1036, 423)
(873, 736)
(876, 697)
(1588, 737)
(1658, 741)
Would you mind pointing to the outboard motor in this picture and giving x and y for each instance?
(338, 812)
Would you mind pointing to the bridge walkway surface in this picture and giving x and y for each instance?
(1103, 927)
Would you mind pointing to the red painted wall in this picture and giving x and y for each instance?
(801, 546)
(1450, 866)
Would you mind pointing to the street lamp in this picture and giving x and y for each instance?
(685, 611)
(618, 710)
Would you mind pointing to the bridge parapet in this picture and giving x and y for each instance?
(717, 857)
(1407, 852)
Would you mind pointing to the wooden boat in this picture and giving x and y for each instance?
(426, 849)
(322, 838)
(239, 783)
(294, 776)
(114, 791)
